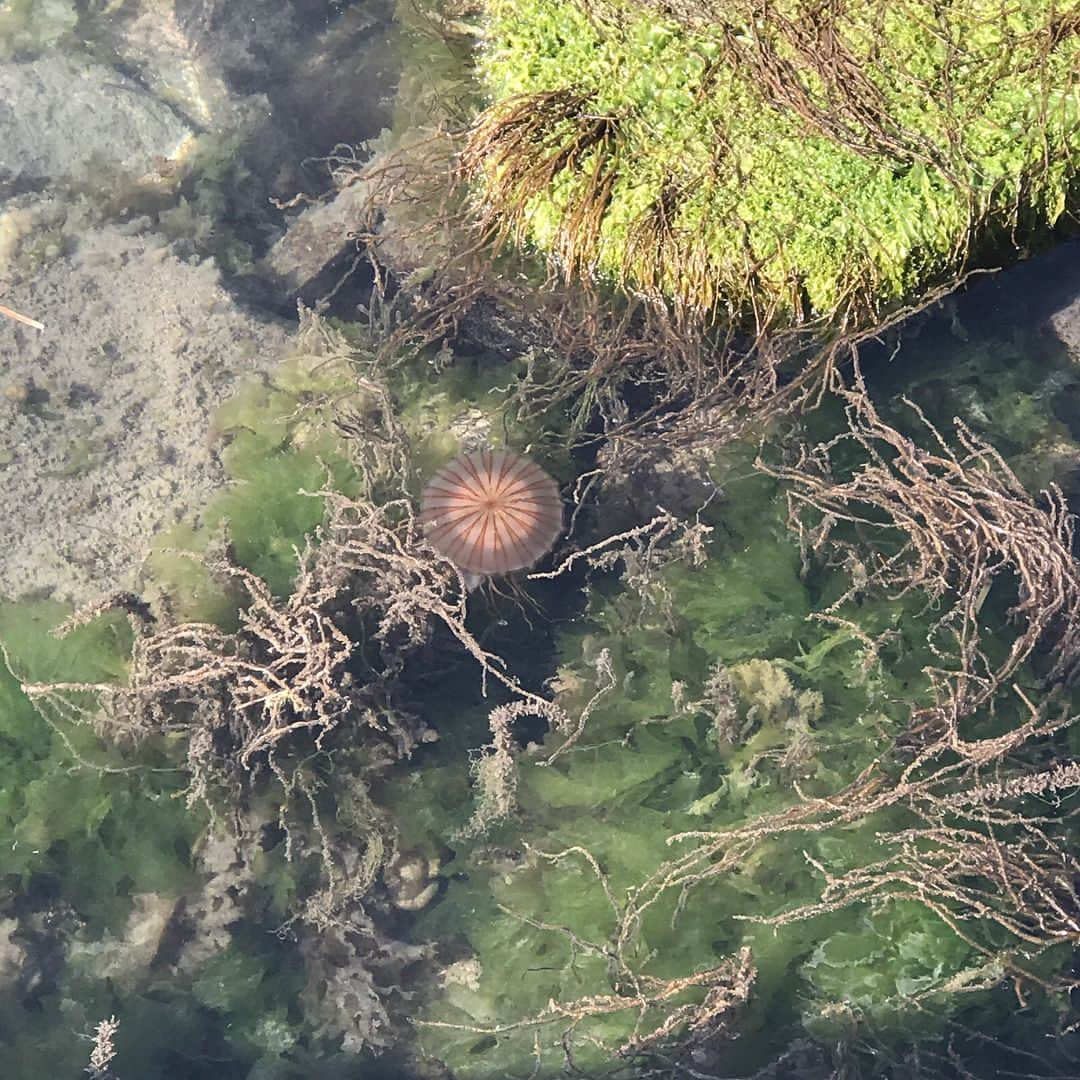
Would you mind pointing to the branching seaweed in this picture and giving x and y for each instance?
(961, 809)
(949, 524)
(671, 1016)
(953, 525)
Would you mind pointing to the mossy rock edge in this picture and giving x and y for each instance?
(779, 163)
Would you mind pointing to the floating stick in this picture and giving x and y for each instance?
(24, 319)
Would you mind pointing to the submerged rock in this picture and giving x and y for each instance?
(126, 958)
(149, 42)
(316, 249)
(30, 26)
(70, 119)
(105, 432)
(1065, 322)
(12, 954)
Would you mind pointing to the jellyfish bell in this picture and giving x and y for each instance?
(491, 512)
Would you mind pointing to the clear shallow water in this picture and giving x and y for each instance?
(121, 899)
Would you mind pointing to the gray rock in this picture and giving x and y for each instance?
(149, 43)
(1065, 322)
(73, 120)
(105, 415)
(244, 37)
(13, 954)
(315, 240)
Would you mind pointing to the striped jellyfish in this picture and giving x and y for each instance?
(491, 512)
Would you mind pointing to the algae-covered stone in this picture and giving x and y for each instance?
(779, 162)
(30, 26)
(1065, 322)
(74, 120)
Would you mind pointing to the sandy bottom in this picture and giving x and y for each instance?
(105, 415)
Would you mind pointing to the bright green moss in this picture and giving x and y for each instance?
(736, 170)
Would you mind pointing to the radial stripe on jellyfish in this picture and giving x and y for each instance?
(491, 512)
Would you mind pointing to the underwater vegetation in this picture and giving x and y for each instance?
(783, 825)
(781, 163)
(94, 843)
(785, 783)
(237, 712)
(767, 768)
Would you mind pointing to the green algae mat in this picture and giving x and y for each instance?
(778, 161)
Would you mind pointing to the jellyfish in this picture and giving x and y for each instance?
(491, 512)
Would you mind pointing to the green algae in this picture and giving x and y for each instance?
(887, 959)
(735, 167)
(717, 702)
(280, 450)
(801, 709)
(83, 830)
(665, 752)
(315, 425)
(112, 837)
(648, 768)
(725, 703)
(91, 827)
